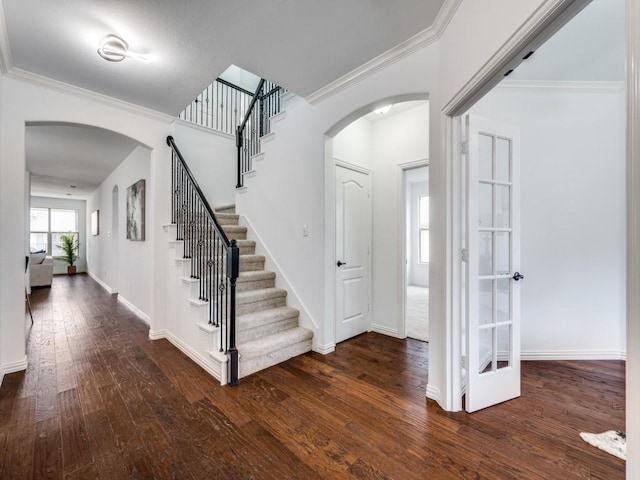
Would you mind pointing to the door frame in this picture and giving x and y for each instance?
(402, 238)
(369, 174)
(540, 26)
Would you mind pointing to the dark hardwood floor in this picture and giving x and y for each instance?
(99, 400)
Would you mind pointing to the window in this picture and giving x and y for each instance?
(47, 225)
(423, 224)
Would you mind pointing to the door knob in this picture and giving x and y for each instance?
(340, 263)
(517, 276)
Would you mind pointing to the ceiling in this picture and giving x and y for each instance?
(62, 155)
(303, 45)
(190, 43)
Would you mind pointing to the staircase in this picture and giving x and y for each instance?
(227, 313)
(230, 317)
(267, 330)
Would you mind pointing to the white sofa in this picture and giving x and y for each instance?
(40, 270)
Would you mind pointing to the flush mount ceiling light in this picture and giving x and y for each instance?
(383, 110)
(115, 49)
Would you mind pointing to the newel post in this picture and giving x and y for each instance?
(233, 270)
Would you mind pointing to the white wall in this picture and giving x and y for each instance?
(398, 140)
(212, 157)
(21, 102)
(573, 218)
(59, 266)
(295, 179)
(354, 144)
(124, 267)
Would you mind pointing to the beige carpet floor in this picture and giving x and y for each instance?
(417, 313)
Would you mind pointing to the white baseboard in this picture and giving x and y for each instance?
(573, 355)
(193, 355)
(143, 316)
(12, 367)
(102, 284)
(157, 335)
(325, 349)
(391, 332)
(433, 393)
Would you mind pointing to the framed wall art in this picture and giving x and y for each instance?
(95, 223)
(135, 211)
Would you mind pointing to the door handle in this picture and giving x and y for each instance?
(340, 263)
(517, 276)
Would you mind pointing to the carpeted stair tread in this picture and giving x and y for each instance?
(272, 343)
(227, 218)
(234, 228)
(259, 295)
(235, 232)
(228, 208)
(246, 243)
(247, 247)
(255, 280)
(258, 319)
(256, 275)
(251, 258)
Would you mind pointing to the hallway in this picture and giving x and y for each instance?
(99, 400)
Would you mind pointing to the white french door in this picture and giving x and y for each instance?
(353, 245)
(493, 263)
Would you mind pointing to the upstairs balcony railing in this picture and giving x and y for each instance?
(224, 107)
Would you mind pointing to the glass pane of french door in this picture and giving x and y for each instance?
(494, 233)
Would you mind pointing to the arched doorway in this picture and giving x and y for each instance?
(377, 144)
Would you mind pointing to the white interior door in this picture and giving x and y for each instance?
(353, 246)
(493, 262)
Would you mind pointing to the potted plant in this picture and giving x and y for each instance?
(70, 246)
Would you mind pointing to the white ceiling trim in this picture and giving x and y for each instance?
(561, 86)
(49, 83)
(418, 41)
(6, 61)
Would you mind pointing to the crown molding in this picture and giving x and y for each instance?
(561, 86)
(6, 61)
(417, 42)
(85, 94)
